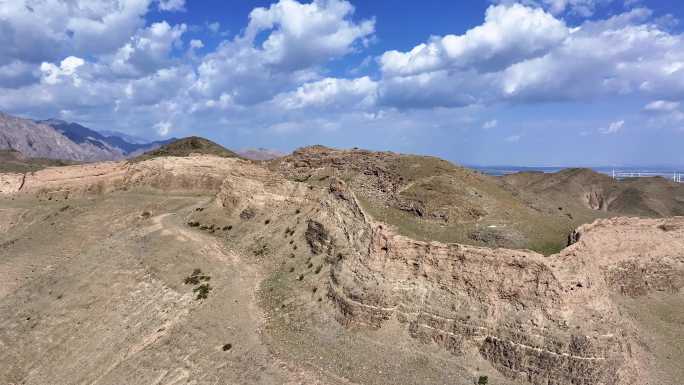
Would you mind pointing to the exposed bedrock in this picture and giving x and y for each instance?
(546, 320)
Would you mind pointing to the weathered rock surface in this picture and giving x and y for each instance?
(539, 319)
(536, 319)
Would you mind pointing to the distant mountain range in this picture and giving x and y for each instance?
(58, 139)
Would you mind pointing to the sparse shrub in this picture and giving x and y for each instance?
(247, 213)
(227, 228)
(260, 250)
(297, 211)
(144, 214)
(227, 347)
(292, 269)
(202, 291)
(483, 380)
(294, 247)
(193, 224)
(301, 277)
(196, 277)
(267, 221)
(318, 269)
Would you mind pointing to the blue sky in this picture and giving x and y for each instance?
(532, 82)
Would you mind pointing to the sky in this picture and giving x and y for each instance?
(488, 82)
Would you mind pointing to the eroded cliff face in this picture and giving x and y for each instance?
(545, 320)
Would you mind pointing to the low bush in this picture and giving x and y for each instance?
(202, 291)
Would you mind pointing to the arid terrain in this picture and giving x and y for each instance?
(187, 266)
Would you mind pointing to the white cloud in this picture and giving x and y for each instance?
(510, 33)
(302, 35)
(513, 138)
(490, 124)
(172, 5)
(299, 39)
(53, 74)
(613, 127)
(37, 31)
(340, 93)
(148, 49)
(622, 55)
(661, 106)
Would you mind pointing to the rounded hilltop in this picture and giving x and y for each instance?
(186, 146)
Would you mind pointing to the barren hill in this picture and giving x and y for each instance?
(204, 269)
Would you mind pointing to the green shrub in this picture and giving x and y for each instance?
(483, 380)
(202, 291)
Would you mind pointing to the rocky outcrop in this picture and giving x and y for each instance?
(544, 320)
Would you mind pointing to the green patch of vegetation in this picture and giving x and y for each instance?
(202, 291)
(195, 279)
(483, 380)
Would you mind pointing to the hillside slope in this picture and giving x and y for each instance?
(57, 139)
(584, 190)
(119, 146)
(12, 161)
(38, 140)
(431, 199)
(209, 269)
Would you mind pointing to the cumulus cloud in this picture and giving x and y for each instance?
(148, 49)
(53, 74)
(509, 34)
(613, 127)
(37, 31)
(505, 60)
(340, 93)
(299, 39)
(276, 75)
(302, 35)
